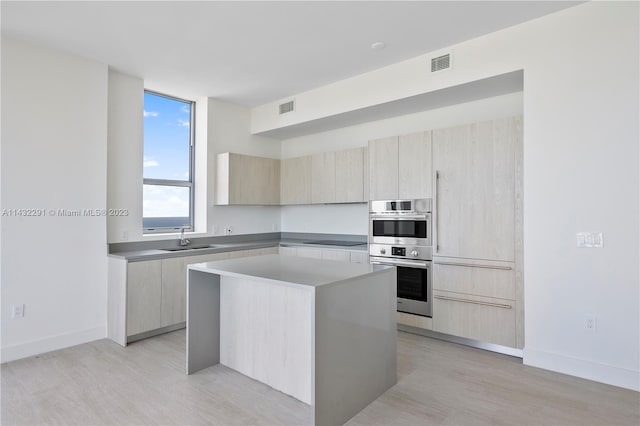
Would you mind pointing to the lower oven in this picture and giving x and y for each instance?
(414, 284)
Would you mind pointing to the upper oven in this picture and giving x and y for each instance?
(401, 222)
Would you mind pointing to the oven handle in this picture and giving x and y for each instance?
(399, 262)
(398, 217)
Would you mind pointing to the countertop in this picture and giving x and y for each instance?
(287, 270)
(152, 254)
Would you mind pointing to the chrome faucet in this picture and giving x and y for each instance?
(183, 241)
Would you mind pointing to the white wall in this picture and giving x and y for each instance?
(54, 156)
(228, 131)
(580, 172)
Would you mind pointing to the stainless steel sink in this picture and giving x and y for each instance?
(188, 248)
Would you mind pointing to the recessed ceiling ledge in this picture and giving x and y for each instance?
(502, 84)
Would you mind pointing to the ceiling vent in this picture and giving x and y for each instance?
(441, 63)
(287, 107)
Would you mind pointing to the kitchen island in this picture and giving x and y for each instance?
(321, 331)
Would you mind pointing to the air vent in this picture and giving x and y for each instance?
(441, 63)
(286, 107)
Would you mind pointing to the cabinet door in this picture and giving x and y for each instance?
(295, 174)
(174, 290)
(144, 295)
(288, 251)
(323, 178)
(350, 176)
(474, 194)
(475, 277)
(245, 179)
(309, 252)
(257, 180)
(337, 255)
(359, 257)
(475, 317)
(383, 169)
(414, 166)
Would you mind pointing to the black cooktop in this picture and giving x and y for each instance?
(336, 243)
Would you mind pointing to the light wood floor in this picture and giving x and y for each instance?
(439, 383)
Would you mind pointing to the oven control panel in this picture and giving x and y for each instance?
(399, 251)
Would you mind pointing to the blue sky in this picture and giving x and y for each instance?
(166, 155)
(166, 138)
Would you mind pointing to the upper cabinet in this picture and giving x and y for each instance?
(400, 167)
(383, 169)
(295, 184)
(244, 179)
(414, 166)
(325, 178)
(474, 202)
(350, 175)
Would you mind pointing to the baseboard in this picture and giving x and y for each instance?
(611, 375)
(48, 344)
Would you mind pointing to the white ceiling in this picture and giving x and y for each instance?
(251, 53)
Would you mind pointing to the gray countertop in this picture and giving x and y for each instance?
(281, 269)
(159, 253)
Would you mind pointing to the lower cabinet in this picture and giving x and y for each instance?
(149, 297)
(339, 255)
(474, 317)
(144, 296)
(475, 299)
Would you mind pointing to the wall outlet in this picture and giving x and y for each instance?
(590, 323)
(17, 311)
(228, 230)
(274, 227)
(124, 236)
(589, 240)
(215, 229)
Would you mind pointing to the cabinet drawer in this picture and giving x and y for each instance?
(338, 255)
(359, 257)
(480, 278)
(481, 318)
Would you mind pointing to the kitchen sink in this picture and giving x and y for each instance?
(188, 248)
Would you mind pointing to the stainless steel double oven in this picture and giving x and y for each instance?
(400, 235)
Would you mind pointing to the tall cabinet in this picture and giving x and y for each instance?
(477, 231)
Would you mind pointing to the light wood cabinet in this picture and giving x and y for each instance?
(314, 253)
(247, 180)
(383, 169)
(400, 167)
(478, 231)
(323, 178)
(475, 317)
(149, 297)
(350, 175)
(144, 296)
(414, 166)
(359, 257)
(295, 180)
(340, 255)
(475, 277)
(288, 251)
(337, 255)
(474, 202)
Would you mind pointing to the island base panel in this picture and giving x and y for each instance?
(203, 320)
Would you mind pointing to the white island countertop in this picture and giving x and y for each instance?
(289, 270)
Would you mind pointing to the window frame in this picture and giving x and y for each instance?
(176, 183)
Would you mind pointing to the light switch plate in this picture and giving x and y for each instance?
(589, 240)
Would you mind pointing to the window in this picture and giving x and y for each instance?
(167, 195)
